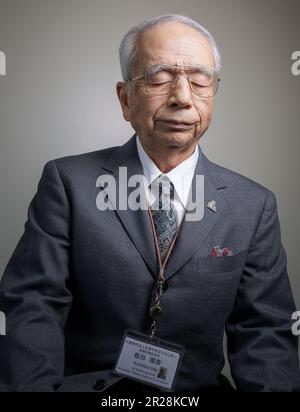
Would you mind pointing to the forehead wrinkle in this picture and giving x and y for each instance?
(182, 59)
(167, 51)
(164, 61)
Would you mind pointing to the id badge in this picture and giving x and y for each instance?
(153, 361)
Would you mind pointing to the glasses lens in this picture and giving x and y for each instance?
(203, 81)
(159, 82)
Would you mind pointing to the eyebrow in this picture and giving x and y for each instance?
(154, 68)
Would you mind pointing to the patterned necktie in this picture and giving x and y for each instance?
(163, 213)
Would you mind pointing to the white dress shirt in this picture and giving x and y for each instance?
(181, 176)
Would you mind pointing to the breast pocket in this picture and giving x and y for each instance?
(221, 264)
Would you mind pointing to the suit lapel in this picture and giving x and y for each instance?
(193, 233)
(137, 223)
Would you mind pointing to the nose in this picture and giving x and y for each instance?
(181, 95)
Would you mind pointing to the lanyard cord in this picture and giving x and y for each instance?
(158, 289)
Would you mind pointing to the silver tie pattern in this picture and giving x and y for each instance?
(163, 213)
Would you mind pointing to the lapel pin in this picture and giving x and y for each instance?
(212, 205)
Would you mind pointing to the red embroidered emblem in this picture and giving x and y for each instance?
(217, 251)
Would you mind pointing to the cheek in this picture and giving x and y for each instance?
(144, 109)
(205, 112)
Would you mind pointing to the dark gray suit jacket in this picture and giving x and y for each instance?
(79, 277)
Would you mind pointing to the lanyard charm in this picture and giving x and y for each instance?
(155, 309)
(155, 312)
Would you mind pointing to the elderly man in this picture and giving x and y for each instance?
(137, 299)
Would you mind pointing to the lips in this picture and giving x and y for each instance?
(176, 121)
(175, 124)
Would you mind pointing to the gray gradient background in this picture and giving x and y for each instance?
(58, 97)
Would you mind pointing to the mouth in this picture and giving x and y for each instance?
(176, 124)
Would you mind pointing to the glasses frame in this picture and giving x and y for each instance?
(174, 82)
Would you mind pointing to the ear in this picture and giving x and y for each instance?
(123, 99)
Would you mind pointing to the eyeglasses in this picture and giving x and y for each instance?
(160, 79)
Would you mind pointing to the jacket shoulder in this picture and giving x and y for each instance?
(78, 170)
(242, 185)
(84, 159)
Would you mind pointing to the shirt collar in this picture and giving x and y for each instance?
(181, 176)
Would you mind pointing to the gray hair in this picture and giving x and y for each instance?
(128, 44)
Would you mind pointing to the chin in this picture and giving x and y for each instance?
(176, 139)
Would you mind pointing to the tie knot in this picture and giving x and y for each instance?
(162, 186)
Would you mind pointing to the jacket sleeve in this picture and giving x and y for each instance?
(34, 294)
(262, 350)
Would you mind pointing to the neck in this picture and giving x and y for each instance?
(169, 157)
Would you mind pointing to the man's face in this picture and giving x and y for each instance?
(153, 116)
